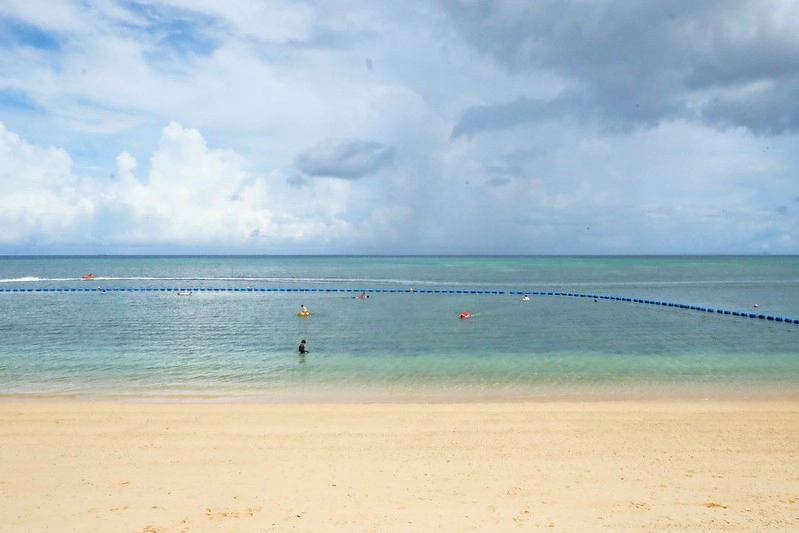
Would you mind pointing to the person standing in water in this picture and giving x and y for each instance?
(302, 349)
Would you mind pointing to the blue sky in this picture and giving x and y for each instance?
(384, 127)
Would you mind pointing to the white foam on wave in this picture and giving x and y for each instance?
(20, 280)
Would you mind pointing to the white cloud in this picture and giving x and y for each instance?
(190, 195)
(180, 125)
(40, 197)
(273, 22)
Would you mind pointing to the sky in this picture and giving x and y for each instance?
(382, 127)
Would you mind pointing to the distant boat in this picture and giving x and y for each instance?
(87, 276)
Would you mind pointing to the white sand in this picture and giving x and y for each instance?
(616, 466)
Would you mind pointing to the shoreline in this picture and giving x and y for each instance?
(644, 465)
(690, 392)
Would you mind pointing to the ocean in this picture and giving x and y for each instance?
(225, 328)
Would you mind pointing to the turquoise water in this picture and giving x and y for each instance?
(128, 334)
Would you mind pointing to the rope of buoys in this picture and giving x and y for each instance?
(527, 293)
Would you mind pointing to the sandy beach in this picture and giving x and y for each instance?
(562, 466)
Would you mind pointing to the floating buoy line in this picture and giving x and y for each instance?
(183, 291)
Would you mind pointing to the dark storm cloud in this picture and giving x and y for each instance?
(772, 110)
(638, 63)
(344, 158)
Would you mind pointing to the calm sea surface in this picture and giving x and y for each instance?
(225, 328)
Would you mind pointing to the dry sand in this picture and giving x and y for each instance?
(614, 466)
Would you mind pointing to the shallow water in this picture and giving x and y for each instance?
(128, 334)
